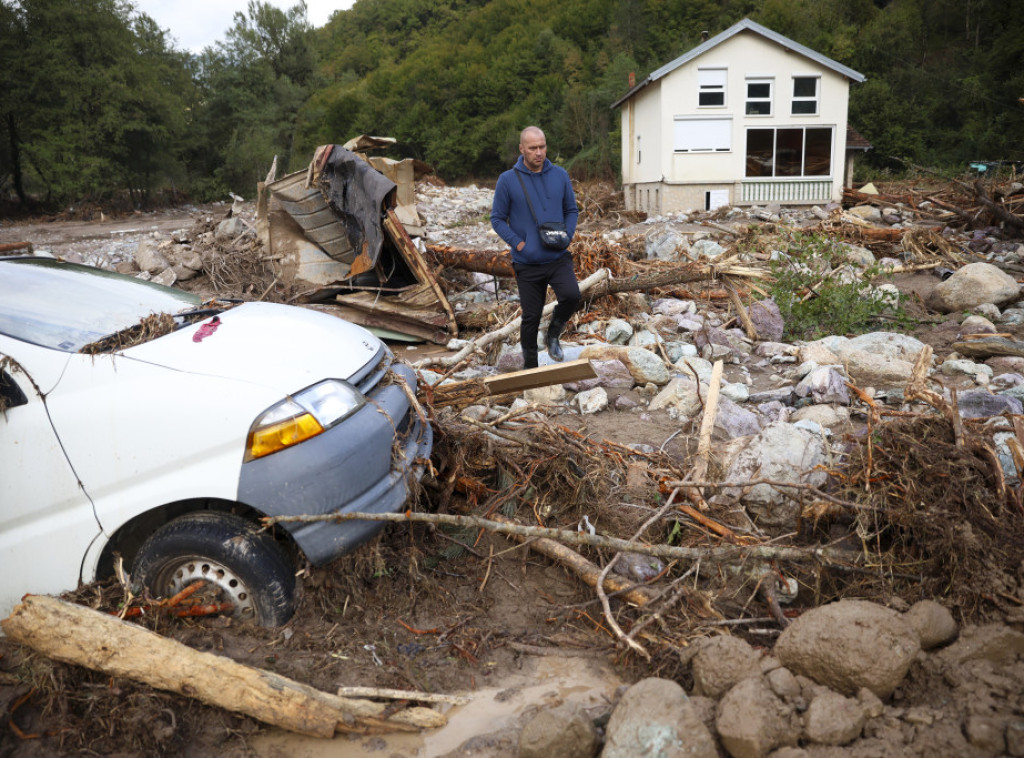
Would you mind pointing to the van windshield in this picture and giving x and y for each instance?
(66, 306)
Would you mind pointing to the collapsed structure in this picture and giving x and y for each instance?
(340, 231)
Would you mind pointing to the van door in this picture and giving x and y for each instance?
(46, 518)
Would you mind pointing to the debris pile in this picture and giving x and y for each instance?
(724, 477)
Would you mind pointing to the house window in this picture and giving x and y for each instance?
(638, 150)
(805, 95)
(702, 135)
(799, 151)
(759, 97)
(711, 87)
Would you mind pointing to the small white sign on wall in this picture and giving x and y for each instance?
(715, 199)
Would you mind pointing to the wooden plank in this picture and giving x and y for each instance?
(419, 267)
(542, 376)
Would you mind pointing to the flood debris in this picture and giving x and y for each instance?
(336, 234)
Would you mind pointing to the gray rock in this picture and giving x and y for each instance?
(682, 394)
(933, 623)
(148, 257)
(592, 401)
(892, 344)
(779, 452)
(978, 324)
(563, 731)
(832, 719)
(228, 229)
(767, 319)
(611, 374)
(618, 331)
(824, 384)
(655, 718)
(964, 367)
(664, 243)
(738, 392)
(848, 645)
(695, 368)
(644, 365)
(983, 404)
(972, 285)
(551, 395)
(866, 212)
(721, 663)
(734, 420)
(784, 395)
(752, 721)
(825, 415)
(670, 306)
(706, 249)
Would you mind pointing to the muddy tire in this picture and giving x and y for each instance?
(239, 563)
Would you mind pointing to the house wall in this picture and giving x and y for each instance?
(684, 177)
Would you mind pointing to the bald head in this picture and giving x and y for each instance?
(533, 147)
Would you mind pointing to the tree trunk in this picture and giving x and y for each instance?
(75, 634)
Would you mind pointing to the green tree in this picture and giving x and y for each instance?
(91, 104)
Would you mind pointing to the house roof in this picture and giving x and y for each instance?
(856, 141)
(744, 25)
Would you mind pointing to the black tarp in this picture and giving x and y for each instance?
(360, 195)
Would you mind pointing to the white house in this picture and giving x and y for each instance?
(747, 117)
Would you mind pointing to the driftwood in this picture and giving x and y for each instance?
(75, 634)
(720, 554)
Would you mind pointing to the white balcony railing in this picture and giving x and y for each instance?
(787, 191)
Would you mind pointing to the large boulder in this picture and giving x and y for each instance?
(655, 718)
(972, 285)
(849, 645)
(780, 452)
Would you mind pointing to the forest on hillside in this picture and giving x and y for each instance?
(97, 104)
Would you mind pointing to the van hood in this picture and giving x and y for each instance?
(282, 347)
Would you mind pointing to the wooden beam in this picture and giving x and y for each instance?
(474, 390)
(542, 376)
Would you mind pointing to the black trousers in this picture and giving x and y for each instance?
(533, 283)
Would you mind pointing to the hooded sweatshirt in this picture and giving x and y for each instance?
(553, 200)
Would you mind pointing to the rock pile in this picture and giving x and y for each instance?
(834, 685)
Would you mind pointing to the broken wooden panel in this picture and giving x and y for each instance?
(418, 310)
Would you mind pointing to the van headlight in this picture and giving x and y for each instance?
(304, 415)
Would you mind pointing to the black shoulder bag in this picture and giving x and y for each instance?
(553, 234)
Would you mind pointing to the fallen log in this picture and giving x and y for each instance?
(986, 347)
(480, 261)
(84, 637)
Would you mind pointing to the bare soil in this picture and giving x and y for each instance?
(422, 608)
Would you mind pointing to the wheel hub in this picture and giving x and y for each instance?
(224, 585)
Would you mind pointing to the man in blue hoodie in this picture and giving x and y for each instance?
(537, 267)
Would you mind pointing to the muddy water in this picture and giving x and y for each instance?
(544, 682)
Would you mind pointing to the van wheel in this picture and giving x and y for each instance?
(240, 564)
